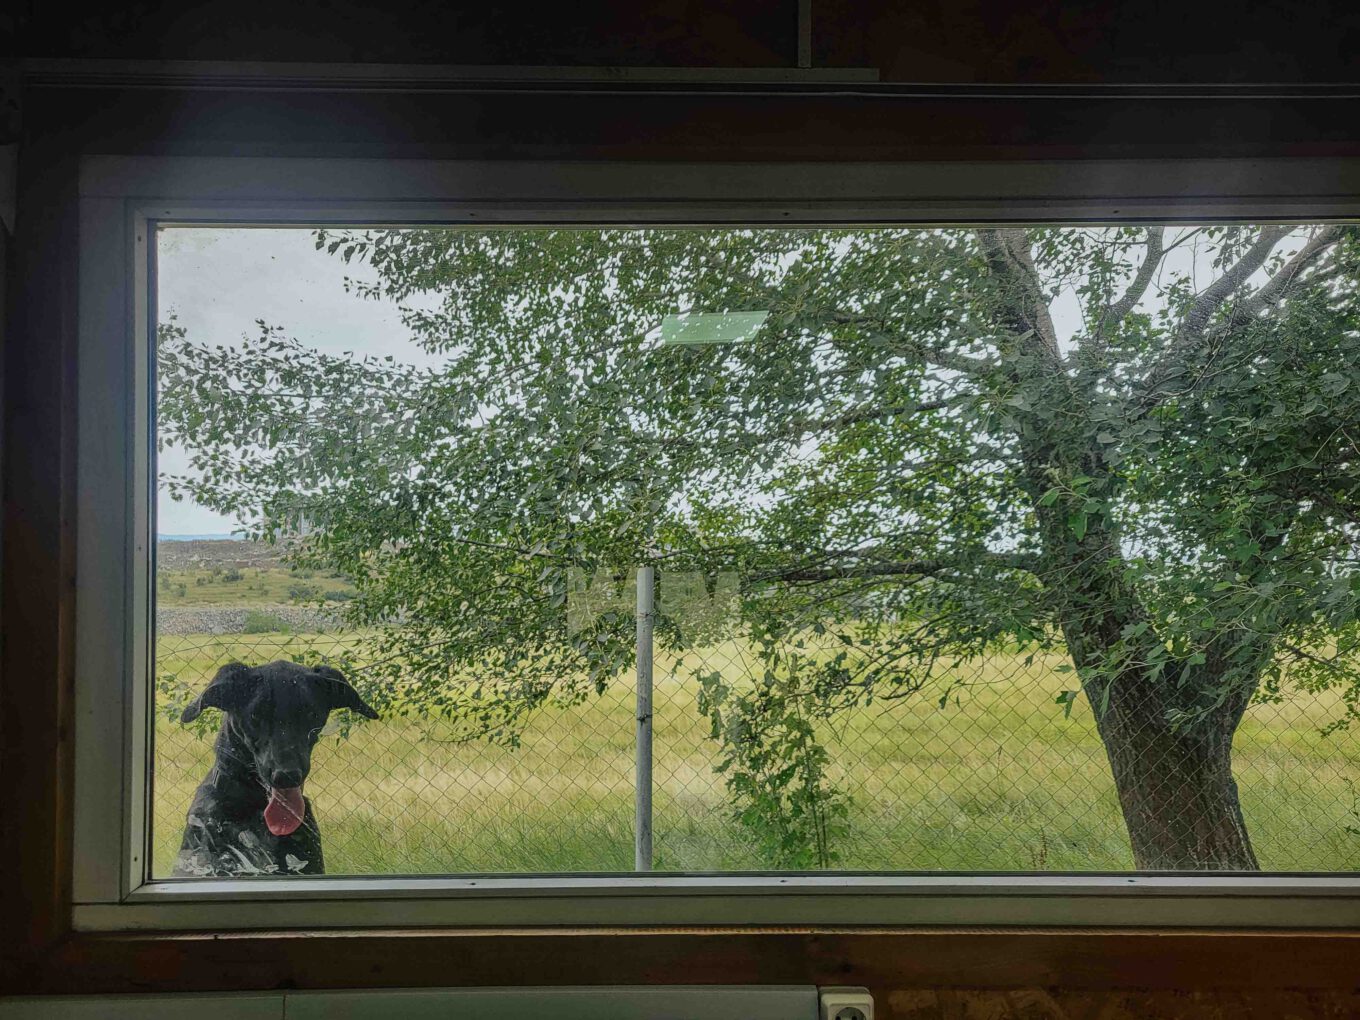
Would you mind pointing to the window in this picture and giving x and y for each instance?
(639, 558)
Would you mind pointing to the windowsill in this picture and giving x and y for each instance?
(1266, 901)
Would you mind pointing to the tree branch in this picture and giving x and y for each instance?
(865, 565)
(1191, 335)
(1212, 298)
(814, 426)
(1007, 252)
(795, 429)
(1279, 286)
(964, 364)
(1116, 310)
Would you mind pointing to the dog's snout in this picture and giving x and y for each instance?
(282, 779)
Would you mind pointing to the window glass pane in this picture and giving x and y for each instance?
(1021, 549)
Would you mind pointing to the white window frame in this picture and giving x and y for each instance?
(122, 198)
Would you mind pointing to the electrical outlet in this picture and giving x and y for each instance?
(844, 1002)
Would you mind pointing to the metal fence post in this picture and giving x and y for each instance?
(642, 824)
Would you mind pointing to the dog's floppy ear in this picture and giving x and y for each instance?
(225, 692)
(341, 694)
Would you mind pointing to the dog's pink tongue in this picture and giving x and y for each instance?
(283, 814)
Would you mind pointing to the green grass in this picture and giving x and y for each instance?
(1000, 782)
(245, 586)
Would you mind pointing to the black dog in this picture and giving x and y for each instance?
(249, 816)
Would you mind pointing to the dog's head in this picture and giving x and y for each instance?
(276, 713)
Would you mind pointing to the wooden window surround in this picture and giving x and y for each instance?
(44, 951)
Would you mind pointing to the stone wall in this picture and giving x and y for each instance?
(232, 619)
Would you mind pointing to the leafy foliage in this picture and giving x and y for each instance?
(910, 459)
(776, 769)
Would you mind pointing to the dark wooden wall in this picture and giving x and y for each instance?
(1114, 55)
(941, 41)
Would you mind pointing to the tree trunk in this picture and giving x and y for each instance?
(1176, 789)
(1175, 785)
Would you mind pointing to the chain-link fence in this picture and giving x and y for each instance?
(989, 767)
(863, 421)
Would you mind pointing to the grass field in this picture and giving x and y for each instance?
(241, 586)
(1001, 782)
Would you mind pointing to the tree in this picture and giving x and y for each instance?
(910, 460)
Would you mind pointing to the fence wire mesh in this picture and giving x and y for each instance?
(983, 769)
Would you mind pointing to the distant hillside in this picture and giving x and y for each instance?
(194, 553)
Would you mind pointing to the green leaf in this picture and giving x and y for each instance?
(1077, 522)
(1067, 699)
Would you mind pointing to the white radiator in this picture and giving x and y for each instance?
(610, 1002)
